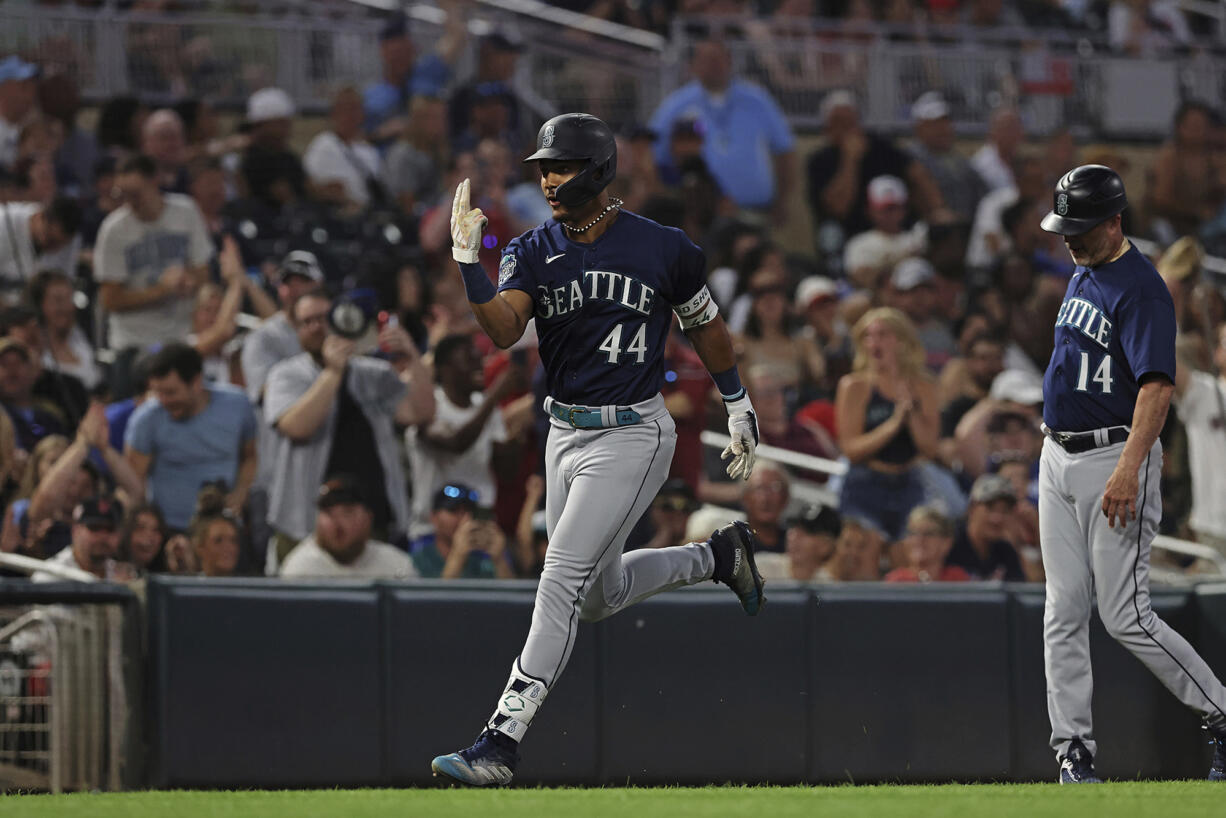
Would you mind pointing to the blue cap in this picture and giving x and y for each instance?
(17, 69)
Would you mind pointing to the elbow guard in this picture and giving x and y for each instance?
(699, 310)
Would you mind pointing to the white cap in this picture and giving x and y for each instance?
(1017, 386)
(835, 99)
(910, 273)
(929, 106)
(812, 288)
(269, 103)
(887, 190)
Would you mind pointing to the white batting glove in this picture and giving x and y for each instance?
(466, 227)
(743, 429)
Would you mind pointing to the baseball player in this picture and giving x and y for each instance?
(1106, 393)
(602, 284)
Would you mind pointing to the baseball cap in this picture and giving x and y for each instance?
(268, 104)
(814, 288)
(13, 345)
(15, 69)
(836, 99)
(455, 496)
(818, 519)
(676, 495)
(301, 263)
(930, 105)
(887, 190)
(911, 273)
(1017, 386)
(991, 487)
(341, 489)
(98, 511)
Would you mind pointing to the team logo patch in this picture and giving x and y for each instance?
(547, 137)
(513, 703)
(506, 269)
(1062, 204)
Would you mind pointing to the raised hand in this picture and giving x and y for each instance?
(467, 225)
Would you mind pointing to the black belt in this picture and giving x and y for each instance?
(1078, 442)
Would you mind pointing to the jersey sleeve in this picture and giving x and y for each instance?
(1146, 327)
(689, 272)
(515, 268)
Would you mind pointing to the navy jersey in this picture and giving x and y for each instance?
(603, 310)
(1116, 325)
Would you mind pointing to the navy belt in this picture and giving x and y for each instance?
(594, 417)
(1078, 442)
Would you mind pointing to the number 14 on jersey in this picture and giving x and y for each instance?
(1102, 374)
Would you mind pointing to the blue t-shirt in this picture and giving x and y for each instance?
(1116, 325)
(741, 134)
(382, 100)
(603, 310)
(187, 454)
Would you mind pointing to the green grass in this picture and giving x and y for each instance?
(1117, 800)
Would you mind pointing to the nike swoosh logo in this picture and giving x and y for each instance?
(552, 259)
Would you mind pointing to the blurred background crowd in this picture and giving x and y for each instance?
(234, 341)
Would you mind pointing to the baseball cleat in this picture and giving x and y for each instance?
(490, 762)
(1217, 739)
(733, 547)
(1077, 766)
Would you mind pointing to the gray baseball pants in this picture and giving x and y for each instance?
(1085, 560)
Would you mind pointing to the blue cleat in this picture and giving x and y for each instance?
(1077, 766)
(1217, 739)
(733, 547)
(490, 762)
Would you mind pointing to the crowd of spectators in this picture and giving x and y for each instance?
(223, 355)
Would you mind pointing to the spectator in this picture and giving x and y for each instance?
(164, 140)
(817, 302)
(276, 339)
(1147, 28)
(887, 418)
(59, 98)
(104, 200)
(119, 413)
(966, 380)
(415, 161)
(207, 186)
(1202, 408)
(670, 514)
(531, 530)
(979, 546)
(1022, 525)
(215, 313)
(58, 391)
(1007, 420)
(812, 536)
(191, 434)
(778, 423)
(1186, 189)
(912, 292)
(994, 160)
(95, 543)
(343, 167)
(334, 413)
(764, 498)
(743, 128)
(960, 184)
(467, 435)
(930, 536)
(869, 256)
(465, 543)
(143, 538)
(32, 420)
(497, 56)
(839, 173)
(120, 121)
(152, 255)
(489, 117)
(18, 98)
(771, 336)
(405, 75)
(16, 536)
(66, 349)
(857, 553)
(341, 545)
(989, 241)
(273, 173)
(214, 535)
(36, 237)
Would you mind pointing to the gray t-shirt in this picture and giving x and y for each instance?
(18, 262)
(135, 253)
(298, 468)
(412, 171)
(272, 342)
(378, 561)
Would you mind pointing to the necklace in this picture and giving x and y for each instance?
(614, 204)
